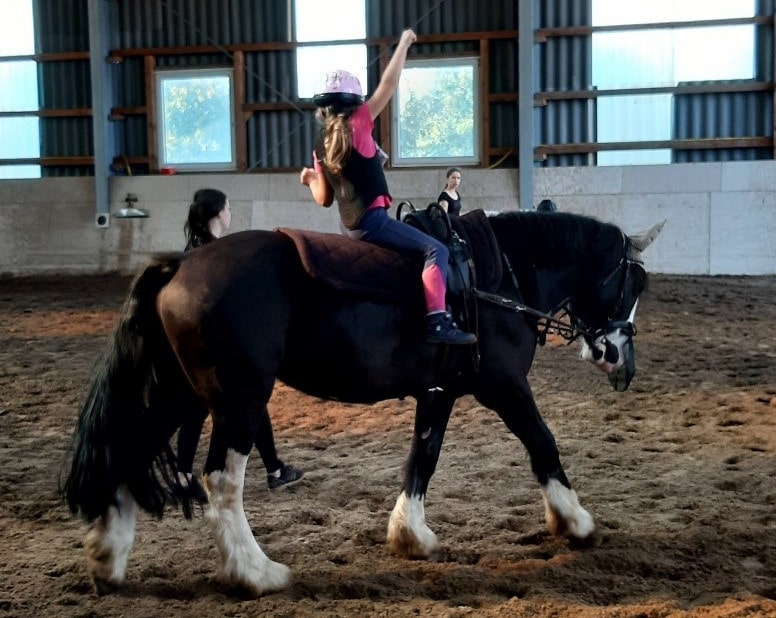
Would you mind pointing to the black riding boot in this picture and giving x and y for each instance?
(440, 328)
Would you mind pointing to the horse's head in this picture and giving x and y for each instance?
(605, 315)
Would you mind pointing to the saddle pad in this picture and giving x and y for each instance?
(475, 229)
(357, 266)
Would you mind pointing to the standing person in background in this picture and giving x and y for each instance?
(347, 166)
(209, 217)
(449, 199)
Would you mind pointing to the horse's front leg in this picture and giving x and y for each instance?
(563, 512)
(408, 534)
(244, 562)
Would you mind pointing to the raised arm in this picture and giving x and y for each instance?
(389, 80)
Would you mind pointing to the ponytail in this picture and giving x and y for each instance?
(337, 137)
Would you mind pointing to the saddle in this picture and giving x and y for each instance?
(368, 270)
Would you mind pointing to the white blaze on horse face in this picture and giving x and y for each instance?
(109, 542)
(245, 564)
(616, 338)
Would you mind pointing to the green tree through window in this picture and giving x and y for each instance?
(440, 123)
(196, 120)
(435, 113)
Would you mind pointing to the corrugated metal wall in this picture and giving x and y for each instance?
(735, 114)
(387, 18)
(564, 63)
(180, 23)
(282, 139)
(62, 26)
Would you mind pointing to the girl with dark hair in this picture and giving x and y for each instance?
(209, 217)
(449, 199)
(347, 166)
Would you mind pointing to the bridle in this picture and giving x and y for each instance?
(561, 319)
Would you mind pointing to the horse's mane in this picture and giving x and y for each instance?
(552, 239)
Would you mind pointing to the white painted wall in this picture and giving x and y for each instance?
(721, 217)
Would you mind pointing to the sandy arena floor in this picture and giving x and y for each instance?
(679, 472)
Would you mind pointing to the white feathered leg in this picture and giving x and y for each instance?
(245, 564)
(408, 534)
(563, 512)
(109, 541)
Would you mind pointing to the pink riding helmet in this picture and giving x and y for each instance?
(339, 87)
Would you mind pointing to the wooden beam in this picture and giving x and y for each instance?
(674, 144)
(541, 98)
(542, 34)
(149, 70)
(278, 106)
(484, 105)
(75, 112)
(240, 118)
(49, 161)
(381, 42)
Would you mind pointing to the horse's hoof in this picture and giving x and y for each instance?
(594, 539)
(103, 587)
(404, 543)
(274, 578)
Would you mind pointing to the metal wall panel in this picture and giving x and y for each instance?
(180, 23)
(280, 140)
(270, 77)
(390, 17)
(283, 139)
(61, 25)
(564, 63)
(726, 114)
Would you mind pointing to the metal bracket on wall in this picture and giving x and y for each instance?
(130, 211)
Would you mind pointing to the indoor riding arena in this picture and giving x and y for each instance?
(678, 471)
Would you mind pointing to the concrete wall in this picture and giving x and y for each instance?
(721, 217)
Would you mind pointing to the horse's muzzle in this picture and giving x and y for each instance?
(620, 378)
(613, 354)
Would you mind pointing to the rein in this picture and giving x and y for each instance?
(569, 332)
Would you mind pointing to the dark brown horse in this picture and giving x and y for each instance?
(219, 325)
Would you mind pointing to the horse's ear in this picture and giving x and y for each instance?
(642, 240)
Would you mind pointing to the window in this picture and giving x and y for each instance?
(315, 21)
(436, 113)
(196, 124)
(661, 57)
(19, 134)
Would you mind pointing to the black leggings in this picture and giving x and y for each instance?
(191, 430)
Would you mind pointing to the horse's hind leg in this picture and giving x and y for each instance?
(408, 533)
(244, 562)
(109, 542)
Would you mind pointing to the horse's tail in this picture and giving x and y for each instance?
(121, 437)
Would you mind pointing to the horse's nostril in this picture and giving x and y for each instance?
(596, 352)
(612, 355)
